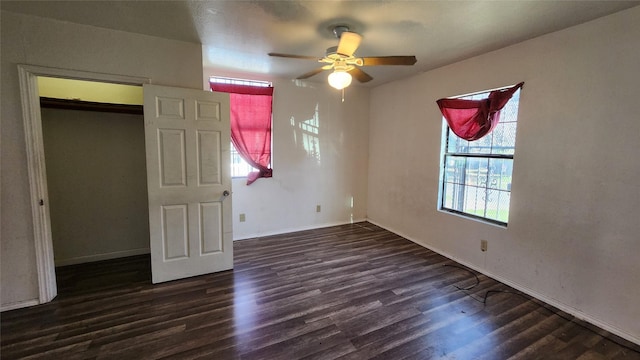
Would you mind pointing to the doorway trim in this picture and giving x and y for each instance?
(32, 120)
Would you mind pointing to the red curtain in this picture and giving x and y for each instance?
(251, 125)
(473, 119)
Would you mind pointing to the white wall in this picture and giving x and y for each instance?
(335, 177)
(97, 184)
(37, 41)
(573, 233)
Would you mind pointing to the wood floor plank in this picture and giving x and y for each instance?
(354, 291)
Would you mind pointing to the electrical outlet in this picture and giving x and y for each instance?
(318, 208)
(483, 245)
(243, 217)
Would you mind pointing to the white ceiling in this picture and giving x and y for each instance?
(238, 34)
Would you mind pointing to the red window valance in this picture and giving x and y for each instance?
(473, 119)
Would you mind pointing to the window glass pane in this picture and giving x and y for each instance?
(471, 172)
(504, 138)
(481, 146)
(500, 174)
(448, 195)
(454, 143)
(497, 205)
(239, 167)
(473, 200)
(458, 197)
(476, 172)
(503, 206)
(509, 112)
(451, 169)
(492, 203)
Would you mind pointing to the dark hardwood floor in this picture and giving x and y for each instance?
(346, 292)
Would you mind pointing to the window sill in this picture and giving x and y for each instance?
(474, 218)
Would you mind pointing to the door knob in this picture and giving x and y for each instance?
(226, 193)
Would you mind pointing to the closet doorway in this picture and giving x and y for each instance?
(93, 136)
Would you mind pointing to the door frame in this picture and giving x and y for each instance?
(32, 120)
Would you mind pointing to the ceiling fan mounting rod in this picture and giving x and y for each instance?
(339, 29)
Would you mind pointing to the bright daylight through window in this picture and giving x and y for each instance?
(476, 175)
(239, 167)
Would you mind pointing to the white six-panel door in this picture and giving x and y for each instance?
(188, 176)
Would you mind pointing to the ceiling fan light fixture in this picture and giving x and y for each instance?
(339, 79)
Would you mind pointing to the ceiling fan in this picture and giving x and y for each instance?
(344, 63)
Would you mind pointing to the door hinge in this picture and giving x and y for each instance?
(41, 202)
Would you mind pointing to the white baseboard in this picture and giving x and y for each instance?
(553, 302)
(294, 229)
(19, 305)
(100, 257)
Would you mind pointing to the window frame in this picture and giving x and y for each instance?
(446, 154)
(232, 149)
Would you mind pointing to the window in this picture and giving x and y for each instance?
(476, 175)
(239, 167)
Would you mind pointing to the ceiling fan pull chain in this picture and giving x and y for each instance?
(342, 94)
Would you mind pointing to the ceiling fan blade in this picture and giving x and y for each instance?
(389, 60)
(349, 42)
(310, 73)
(294, 56)
(360, 75)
